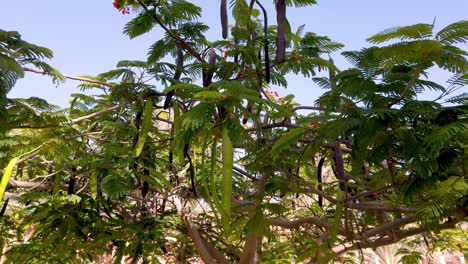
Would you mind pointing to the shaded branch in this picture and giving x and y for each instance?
(274, 125)
(378, 208)
(295, 224)
(389, 226)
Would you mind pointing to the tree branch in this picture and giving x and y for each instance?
(393, 238)
(97, 113)
(409, 85)
(274, 125)
(378, 208)
(389, 226)
(295, 224)
(71, 77)
(250, 248)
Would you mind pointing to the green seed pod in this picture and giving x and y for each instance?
(228, 160)
(145, 128)
(94, 181)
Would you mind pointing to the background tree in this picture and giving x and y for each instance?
(127, 174)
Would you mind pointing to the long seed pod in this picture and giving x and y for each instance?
(319, 180)
(71, 182)
(224, 18)
(228, 162)
(177, 74)
(57, 184)
(265, 43)
(281, 33)
(9, 170)
(236, 43)
(94, 182)
(213, 188)
(145, 127)
(191, 169)
(338, 216)
(4, 207)
(208, 73)
(6, 176)
(331, 73)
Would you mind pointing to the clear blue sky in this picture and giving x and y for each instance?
(86, 36)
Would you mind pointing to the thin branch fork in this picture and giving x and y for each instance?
(179, 41)
(393, 238)
(410, 84)
(368, 193)
(207, 252)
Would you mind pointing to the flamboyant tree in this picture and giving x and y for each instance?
(196, 156)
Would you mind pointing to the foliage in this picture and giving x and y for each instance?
(224, 170)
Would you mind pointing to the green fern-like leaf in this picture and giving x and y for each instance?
(287, 139)
(439, 138)
(417, 31)
(459, 99)
(115, 186)
(441, 199)
(454, 33)
(141, 24)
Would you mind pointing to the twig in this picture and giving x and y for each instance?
(295, 224)
(97, 113)
(274, 125)
(410, 84)
(318, 108)
(71, 77)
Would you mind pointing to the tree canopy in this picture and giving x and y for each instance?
(191, 154)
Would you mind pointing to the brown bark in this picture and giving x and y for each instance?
(249, 253)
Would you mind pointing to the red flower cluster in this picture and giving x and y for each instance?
(273, 93)
(124, 9)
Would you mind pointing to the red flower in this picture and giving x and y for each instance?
(280, 99)
(124, 9)
(276, 94)
(313, 124)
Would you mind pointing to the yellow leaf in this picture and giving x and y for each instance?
(6, 176)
